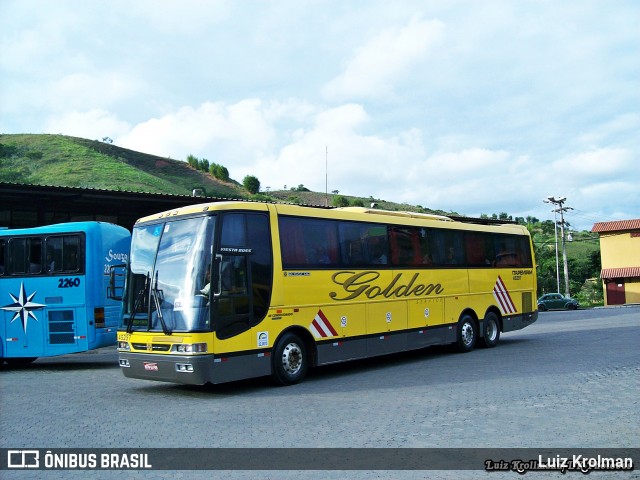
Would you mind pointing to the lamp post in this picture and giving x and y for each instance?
(559, 202)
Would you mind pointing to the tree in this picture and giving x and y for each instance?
(219, 171)
(340, 201)
(203, 165)
(548, 227)
(193, 161)
(252, 184)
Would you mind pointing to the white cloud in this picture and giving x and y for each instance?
(92, 124)
(385, 59)
(600, 163)
(186, 17)
(81, 90)
(222, 133)
(356, 164)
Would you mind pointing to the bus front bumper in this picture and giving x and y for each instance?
(191, 369)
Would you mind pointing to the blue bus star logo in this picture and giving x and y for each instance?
(23, 307)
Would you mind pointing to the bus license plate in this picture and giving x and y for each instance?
(151, 366)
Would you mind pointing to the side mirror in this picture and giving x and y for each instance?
(113, 289)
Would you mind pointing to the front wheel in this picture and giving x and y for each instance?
(290, 360)
(466, 337)
(491, 333)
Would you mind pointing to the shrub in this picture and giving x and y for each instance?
(251, 184)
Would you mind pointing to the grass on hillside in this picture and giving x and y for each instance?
(75, 162)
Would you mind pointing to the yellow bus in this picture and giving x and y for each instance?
(230, 290)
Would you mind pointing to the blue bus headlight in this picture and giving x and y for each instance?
(190, 348)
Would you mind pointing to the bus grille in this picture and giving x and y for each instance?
(527, 302)
(155, 347)
(61, 327)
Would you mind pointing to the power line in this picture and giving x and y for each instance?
(593, 217)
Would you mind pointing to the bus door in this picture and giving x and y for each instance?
(24, 320)
(22, 301)
(231, 304)
(242, 274)
(67, 294)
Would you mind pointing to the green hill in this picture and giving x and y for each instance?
(77, 162)
(60, 160)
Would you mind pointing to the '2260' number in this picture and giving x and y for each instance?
(68, 282)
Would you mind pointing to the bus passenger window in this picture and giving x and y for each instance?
(405, 246)
(308, 242)
(512, 251)
(35, 255)
(479, 248)
(25, 255)
(71, 254)
(378, 252)
(62, 254)
(363, 244)
(53, 262)
(447, 247)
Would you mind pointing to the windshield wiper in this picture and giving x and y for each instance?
(157, 301)
(141, 295)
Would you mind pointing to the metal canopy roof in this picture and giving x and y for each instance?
(32, 205)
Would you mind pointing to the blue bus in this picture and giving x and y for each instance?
(53, 289)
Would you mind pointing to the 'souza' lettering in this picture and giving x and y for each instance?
(356, 284)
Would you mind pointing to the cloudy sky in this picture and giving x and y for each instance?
(467, 106)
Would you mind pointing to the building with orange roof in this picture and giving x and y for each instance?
(620, 255)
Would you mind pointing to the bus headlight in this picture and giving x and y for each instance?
(189, 348)
(123, 346)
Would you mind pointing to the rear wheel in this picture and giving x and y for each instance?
(290, 360)
(467, 333)
(491, 330)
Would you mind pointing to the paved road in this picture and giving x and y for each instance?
(570, 380)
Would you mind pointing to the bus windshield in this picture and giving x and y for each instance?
(168, 285)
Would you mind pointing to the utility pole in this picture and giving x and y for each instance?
(560, 209)
(555, 232)
(326, 175)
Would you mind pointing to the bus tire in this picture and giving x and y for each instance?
(290, 360)
(491, 330)
(467, 334)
